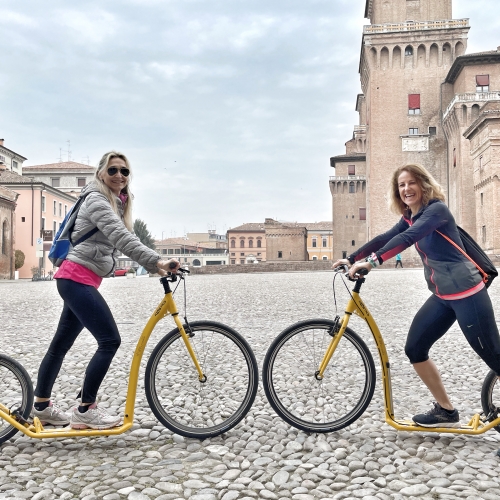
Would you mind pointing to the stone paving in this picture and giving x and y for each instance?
(262, 457)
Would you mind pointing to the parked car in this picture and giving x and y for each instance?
(120, 271)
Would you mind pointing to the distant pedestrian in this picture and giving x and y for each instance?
(399, 261)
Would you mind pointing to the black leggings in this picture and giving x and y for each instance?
(84, 307)
(476, 320)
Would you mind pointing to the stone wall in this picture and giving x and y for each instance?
(265, 267)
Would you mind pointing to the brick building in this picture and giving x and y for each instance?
(247, 243)
(424, 102)
(7, 232)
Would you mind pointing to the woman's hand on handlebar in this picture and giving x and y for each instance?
(167, 266)
(341, 263)
(356, 267)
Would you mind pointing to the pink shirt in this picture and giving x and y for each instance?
(76, 272)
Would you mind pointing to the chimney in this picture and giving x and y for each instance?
(1, 142)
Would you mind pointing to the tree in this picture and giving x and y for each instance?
(141, 231)
(19, 259)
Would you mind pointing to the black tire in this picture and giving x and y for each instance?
(291, 386)
(490, 397)
(16, 393)
(197, 409)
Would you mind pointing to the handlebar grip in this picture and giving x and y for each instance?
(341, 269)
(362, 272)
(183, 270)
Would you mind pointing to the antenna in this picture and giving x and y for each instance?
(60, 155)
(87, 159)
(69, 150)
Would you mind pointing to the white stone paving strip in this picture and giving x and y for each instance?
(262, 457)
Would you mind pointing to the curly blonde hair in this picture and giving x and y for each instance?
(103, 165)
(431, 190)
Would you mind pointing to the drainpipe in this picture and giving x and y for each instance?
(12, 242)
(32, 209)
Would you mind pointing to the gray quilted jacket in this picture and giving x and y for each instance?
(99, 252)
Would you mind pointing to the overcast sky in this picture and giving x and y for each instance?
(228, 110)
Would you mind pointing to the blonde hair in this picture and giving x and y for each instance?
(431, 190)
(103, 165)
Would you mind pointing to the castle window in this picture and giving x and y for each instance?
(413, 104)
(409, 50)
(351, 170)
(483, 233)
(362, 214)
(352, 188)
(353, 243)
(432, 130)
(280, 255)
(482, 83)
(481, 200)
(413, 131)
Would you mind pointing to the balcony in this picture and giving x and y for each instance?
(336, 178)
(360, 129)
(415, 26)
(472, 97)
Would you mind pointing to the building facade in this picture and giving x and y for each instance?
(9, 160)
(7, 232)
(319, 240)
(247, 243)
(67, 176)
(193, 253)
(420, 98)
(39, 214)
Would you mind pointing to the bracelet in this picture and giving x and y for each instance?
(372, 260)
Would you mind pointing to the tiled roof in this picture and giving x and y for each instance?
(249, 226)
(319, 226)
(62, 165)
(13, 178)
(7, 194)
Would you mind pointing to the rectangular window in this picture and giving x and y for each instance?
(233, 261)
(54, 225)
(43, 223)
(43, 203)
(362, 214)
(242, 261)
(414, 104)
(242, 255)
(65, 210)
(163, 250)
(14, 164)
(60, 209)
(481, 201)
(55, 207)
(280, 255)
(353, 243)
(56, 181)
(233, 254)
(81, 181)
(483, 233)
(170, 251)
(482, 83)
(351, 170)
(413, 131)
(23, 219)
(314, 243)
(324, 242)
(432, 130)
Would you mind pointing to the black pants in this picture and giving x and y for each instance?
(400, 262)
(476, 320)
(84, 307)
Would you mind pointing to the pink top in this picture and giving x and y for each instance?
(76, 272)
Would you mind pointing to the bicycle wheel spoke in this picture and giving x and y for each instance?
(187, 405)
(293, 390)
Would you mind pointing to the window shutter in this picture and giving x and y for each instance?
(351, 170)
(413, 101)
(482, 80)
(362, 214)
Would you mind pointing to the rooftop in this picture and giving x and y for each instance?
(62, 165)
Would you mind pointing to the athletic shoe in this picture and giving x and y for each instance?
(438, 417)
(93, 418)
(51, 415)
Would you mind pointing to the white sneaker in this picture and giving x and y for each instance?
(93, 418)
(51, 415)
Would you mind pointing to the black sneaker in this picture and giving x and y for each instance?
(438, 417)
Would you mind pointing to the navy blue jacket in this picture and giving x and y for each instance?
(449, 274)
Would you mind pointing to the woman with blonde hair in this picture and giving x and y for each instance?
(103, 228)
(458, 290)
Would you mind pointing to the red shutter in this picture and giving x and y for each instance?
(351, 170)
(362, 214)
(413, 101)
(482, 80)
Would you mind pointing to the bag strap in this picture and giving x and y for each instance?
(485, 276)
(86, 236)
(75, 211)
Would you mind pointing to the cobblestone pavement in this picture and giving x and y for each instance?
(262, 457)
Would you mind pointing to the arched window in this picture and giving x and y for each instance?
(325, 257)
(250, 243)
(242, 243)
(196, 262)
(259, 243)
(315, 257)
(409, 50)
(233, 243)
(4, 237)
(352, 187)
